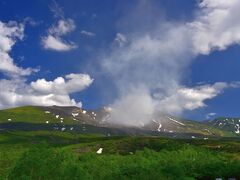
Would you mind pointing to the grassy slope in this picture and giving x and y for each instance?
(30, 114)
(200, 128)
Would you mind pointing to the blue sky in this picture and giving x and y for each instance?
(97, 31)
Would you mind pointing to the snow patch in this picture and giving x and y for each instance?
(154, 121)
(106, 118)
(47, 112)
(57, 116)
(159, 125)
(175, 121)
(99, 151)
(237, 129)
(84, 112)
(75, 114)
(47, 122)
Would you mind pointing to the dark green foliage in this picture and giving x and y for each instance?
(40, 162)
(24, 155)
(188, 162)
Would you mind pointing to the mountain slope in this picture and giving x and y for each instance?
(98, 121)
(226, 124)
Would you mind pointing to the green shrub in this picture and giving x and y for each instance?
(188, 162)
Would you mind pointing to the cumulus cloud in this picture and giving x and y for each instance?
(54, 40)
(149, 70)
(9, 33)
(73, 83)
(88, 33)
(216, 26)
(191, 98)
(17, 92)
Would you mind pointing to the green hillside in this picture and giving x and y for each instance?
(31, 114)
(226, 123)
(191, 126)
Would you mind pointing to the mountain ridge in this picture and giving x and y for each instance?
(71, 118)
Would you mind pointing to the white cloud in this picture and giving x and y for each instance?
(120, 39)
(157, 57)
(17, 92)
(57, 44)
(73, 83)
(62, 27)
(54, 40)
(133, 108)
(209, 115)
(191, 98)
(216, 26)
(88, 33)
(9, 33)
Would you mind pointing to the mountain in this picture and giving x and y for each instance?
(74, 119)
(226, 124)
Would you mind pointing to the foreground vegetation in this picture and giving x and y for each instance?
(58, 155)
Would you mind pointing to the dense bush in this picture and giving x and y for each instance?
(188, 162)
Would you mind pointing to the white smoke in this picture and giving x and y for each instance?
(150, 67)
